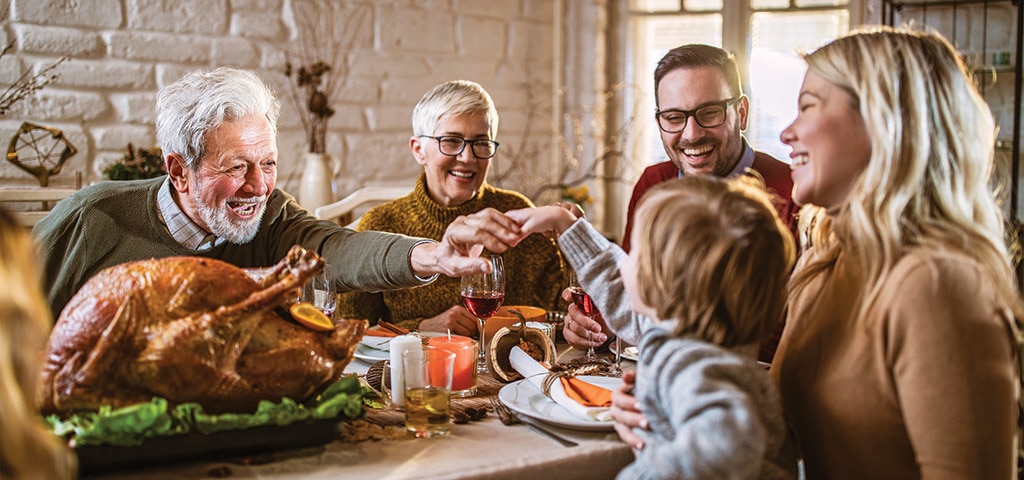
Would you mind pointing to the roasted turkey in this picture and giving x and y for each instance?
(191, 329)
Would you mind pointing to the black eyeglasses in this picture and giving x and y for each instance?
(707, 116)
(452, 146)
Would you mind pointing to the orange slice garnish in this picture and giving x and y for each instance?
(311, 317)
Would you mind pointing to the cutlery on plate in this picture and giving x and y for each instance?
(381, 345)
(508, 417)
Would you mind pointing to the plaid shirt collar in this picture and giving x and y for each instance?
(182, 228)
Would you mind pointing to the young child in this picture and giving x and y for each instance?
(708, 269)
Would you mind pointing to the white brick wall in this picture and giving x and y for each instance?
(122, 51)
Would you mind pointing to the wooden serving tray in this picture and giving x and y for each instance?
(195, 446)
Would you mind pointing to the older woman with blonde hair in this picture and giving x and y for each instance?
(898, 356)
(27, 448)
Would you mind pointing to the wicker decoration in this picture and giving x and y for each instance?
(532, 340)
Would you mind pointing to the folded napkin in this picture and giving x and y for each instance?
(380, 332)
(582, 399)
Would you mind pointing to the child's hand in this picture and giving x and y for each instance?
(550, 220)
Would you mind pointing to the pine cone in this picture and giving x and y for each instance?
(374, 374)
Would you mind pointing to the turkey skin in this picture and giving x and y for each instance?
(191, 329)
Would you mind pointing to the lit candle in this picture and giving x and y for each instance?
(464, 371)
(397, 345)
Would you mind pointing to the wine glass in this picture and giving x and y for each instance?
(321, 293)
(586, 305)
(484, 293)
(617, 369)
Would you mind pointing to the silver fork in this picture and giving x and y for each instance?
(508, 417)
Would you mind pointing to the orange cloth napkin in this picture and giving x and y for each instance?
(586, 393)
(380, 332)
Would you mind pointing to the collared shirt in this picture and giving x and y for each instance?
(746, 161)
(182, 228)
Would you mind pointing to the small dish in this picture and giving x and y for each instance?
(504, 318)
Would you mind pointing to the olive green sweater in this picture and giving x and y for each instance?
(533, 269)
(116, 222)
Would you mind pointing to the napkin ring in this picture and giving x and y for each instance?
(569, 372)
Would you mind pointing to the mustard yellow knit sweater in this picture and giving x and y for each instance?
(533, 269)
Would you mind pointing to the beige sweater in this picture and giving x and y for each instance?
(923, 387)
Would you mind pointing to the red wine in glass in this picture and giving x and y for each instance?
(586, 305)
(583, 301)
(484, 306)
(483, 293)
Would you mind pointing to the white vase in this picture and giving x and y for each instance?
(316, 188)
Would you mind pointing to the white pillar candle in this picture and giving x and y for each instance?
(398, 345)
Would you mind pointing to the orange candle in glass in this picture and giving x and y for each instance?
(465, 350)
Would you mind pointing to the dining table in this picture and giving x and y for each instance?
(376, 446)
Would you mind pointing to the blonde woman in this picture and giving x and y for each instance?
(27, 449)
(898, 360)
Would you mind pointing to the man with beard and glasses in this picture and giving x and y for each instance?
(701, 113)
(217, 130)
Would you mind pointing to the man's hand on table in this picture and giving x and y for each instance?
(626, 412)
(457, 319)
(464, 240)
(577, 324)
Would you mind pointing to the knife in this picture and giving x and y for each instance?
(536, 427)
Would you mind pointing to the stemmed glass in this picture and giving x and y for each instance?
(484, 293)
(586, 305)
(617, 369)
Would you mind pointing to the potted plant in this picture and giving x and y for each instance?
(137, 164)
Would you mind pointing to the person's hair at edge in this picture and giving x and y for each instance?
(932, 140)
(27, 448)
(201, 100)
(713, 254)
(453, 98)
(699, 55)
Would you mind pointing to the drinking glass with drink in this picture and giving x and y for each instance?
(320, 292)
(428, 386)
(483, 294)
(586, 305)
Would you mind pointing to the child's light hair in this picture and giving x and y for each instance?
(714, 255)
(27, 448)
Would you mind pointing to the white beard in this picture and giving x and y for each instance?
(224, 225)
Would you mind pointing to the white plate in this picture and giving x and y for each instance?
(525, 398)
(373, 349)
(384, 343)
(376, 343)
(370, 355)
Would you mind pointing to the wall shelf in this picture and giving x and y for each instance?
(979, 28)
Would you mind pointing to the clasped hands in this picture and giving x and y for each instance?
(466, 238)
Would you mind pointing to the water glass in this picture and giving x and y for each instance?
(320, 292)
(428, 389)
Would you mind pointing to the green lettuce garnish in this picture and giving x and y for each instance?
(132, 425)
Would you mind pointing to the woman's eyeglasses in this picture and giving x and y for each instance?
(452, 146)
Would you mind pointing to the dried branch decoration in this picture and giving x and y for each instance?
(27, 83)
(326, 31)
